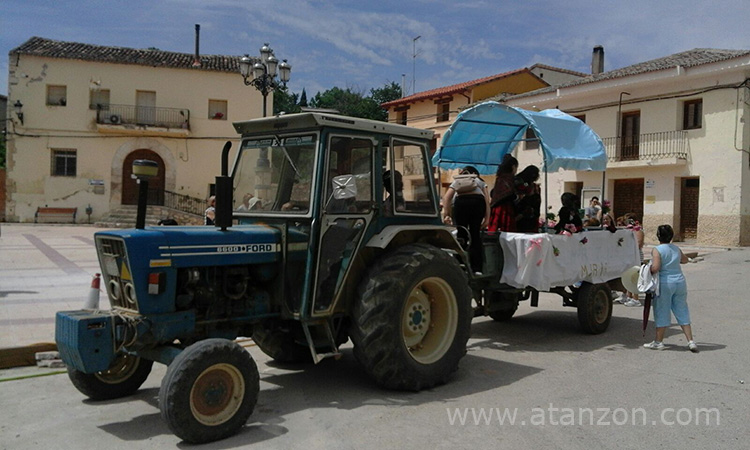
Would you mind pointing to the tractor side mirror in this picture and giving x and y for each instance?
(343, 192)
(344, 187)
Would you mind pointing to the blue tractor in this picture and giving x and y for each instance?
(326, 229)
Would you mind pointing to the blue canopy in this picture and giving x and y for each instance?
(483, 134)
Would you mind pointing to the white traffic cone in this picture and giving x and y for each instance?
(93, 300)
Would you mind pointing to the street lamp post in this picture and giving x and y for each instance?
(267, 75)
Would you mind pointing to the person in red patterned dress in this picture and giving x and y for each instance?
(503, 209)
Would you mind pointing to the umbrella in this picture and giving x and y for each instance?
(646, 310)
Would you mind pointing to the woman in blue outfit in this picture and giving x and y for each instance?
(665, 261)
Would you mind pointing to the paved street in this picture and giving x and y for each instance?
(564, 389)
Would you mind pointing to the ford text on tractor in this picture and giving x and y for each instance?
(327, 229)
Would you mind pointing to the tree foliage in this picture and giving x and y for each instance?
(285, 101)
(348, 102)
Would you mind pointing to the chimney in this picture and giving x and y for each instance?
(197, 60)
(597, 60)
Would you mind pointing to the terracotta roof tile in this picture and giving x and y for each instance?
(37, 46)
(453, 89)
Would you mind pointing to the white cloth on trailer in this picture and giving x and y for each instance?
(544, 260)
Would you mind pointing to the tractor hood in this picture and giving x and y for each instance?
(187, 246)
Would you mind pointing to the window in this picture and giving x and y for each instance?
(399, 152)
(99, 99)
(532, 143)
(411, 181)
(63, 163)
(276, 173)
(352, 158)
(217, 109)
(692, 114)
(401, 117)
(57, 95)
(443, 112)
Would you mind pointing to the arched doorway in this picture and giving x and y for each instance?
(155, 184)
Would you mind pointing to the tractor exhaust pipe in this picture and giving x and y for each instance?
(224, 189)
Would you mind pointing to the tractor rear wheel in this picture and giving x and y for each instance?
(209, 391)
(412, 318)
(594, 303)
(123, 378)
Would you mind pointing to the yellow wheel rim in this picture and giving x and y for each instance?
(429, 320)
(217, 394)
(123, 368)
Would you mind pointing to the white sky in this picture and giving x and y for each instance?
(366, 44)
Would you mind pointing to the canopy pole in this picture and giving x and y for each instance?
(546, 194)
(439, 188)
(604, 183)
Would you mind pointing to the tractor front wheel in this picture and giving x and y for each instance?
(123, 378)
(209, 391)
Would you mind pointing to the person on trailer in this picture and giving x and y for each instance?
(503, 198)
(570, 220)
(471, 211)
(530, 200)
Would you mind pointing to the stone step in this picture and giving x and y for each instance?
(125, 217)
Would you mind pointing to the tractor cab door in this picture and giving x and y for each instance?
(346, 211)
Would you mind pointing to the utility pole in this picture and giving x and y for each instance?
(414, 65)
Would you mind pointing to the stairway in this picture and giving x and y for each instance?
(124, 217)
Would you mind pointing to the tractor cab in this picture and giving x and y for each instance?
(330, 184)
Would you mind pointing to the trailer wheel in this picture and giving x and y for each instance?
(123, 378)
(503, 306)
(594, 308)
(412, 318)
(209, 391)
(281, 344)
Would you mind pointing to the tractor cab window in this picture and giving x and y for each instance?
(348, 185)
(275, 174)
(407, 174)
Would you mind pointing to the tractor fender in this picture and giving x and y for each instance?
(398, 235)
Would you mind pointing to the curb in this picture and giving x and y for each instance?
(25, 355)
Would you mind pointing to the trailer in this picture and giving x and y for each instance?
(518, 266)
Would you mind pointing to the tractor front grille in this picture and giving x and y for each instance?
(113, 259)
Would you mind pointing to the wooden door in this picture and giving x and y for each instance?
(628, 197)
(689, 196)
(155, 184)
(629, 136)
(145, 107)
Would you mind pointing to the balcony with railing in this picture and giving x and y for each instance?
(142, 117)
(181, 202)
(660, 148)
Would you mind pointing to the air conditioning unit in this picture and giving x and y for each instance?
(114, 119)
